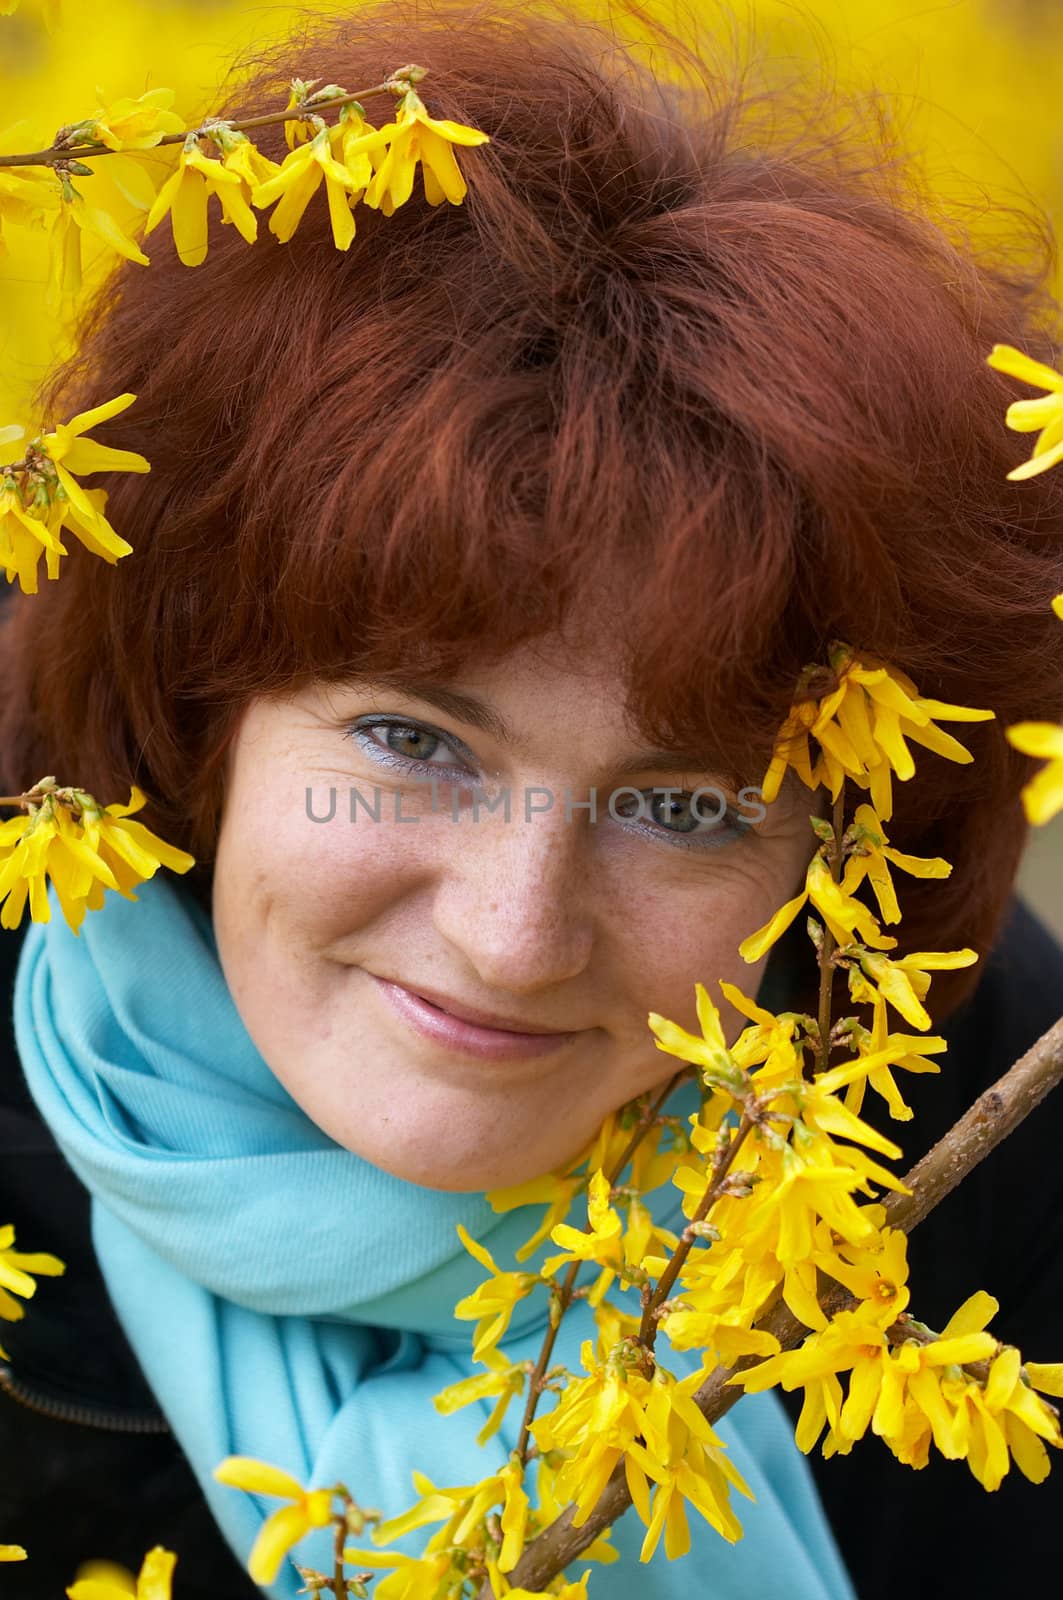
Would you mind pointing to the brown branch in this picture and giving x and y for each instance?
(59, 153)
(721, 1166)
(988, 1121)
(826, 949)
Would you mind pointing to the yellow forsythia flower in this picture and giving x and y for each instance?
(74, 218)
(1042, 797)
(243, 158)
(138, 124)
(904, 982)
(880, 1051)
(22, 538)
(26, 196)
(411, 1577)
(107, 1580)
(71, 453)
(861, 728)
(296, 131)
(917, 1392)
(871, 860)
(184, 197)
(556, 1190)
(462, 1510)
(415, 136)
(844, 916)
(604, 1241)
(493, 1302)
(309, 1508)
(503, 1380)
(41, 495)
(15, 1269)
(595, 1420)
(101, 849)
(357, 145)
(719, 1067)
(687, 1460)
(300, 175)
(1043, 416)
(1000, 1416)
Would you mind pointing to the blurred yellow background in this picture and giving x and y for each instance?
(975, 85)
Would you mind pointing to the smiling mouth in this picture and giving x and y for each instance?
(467, 1032)
(480, 1019)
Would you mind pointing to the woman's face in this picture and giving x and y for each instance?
(345, 942)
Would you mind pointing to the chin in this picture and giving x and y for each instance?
(432, 1169)
(465, 1177)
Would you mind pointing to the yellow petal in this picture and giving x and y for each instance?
(1044, 739)
(1029, 1453)
(293, 202)
(189, 218)
(1043, 795)
(459, 133)
(164, 200)
(155, 1574)
(752, 948)
(101, 413)
(137, 800)
(258, 1477)
(1030, 416)
(1046, 1376)
(95, 1589)
(343, 226)
(977, 1311)
(103, 225)
(275, 1538)
(1038, 463)
(1005, 358)
(476, 1249)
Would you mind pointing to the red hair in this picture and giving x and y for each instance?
(701, 354)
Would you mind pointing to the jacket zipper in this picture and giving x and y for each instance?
(88, 1416)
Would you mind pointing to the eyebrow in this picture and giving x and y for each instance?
(480, 714)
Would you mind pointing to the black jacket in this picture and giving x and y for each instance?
(90, 1467)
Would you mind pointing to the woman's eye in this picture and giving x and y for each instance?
(408, 744)
(415, 743)
(698, 818)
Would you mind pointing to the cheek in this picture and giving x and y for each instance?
(684, 939)
(294, 867)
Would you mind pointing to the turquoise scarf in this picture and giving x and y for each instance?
(256, 1266)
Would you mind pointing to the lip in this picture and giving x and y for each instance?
(467, 1031)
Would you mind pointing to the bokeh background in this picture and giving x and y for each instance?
(975, 87)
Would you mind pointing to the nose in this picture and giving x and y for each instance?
(513, 899)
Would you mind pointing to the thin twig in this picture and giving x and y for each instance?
(826, 949)
(564, 1300)
(59, 153)
(722, 1163)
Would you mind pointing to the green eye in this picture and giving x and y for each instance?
(701, 818)
(417, 744)
(408, 746)
(675, 812)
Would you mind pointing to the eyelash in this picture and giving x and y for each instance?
(729, 828)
